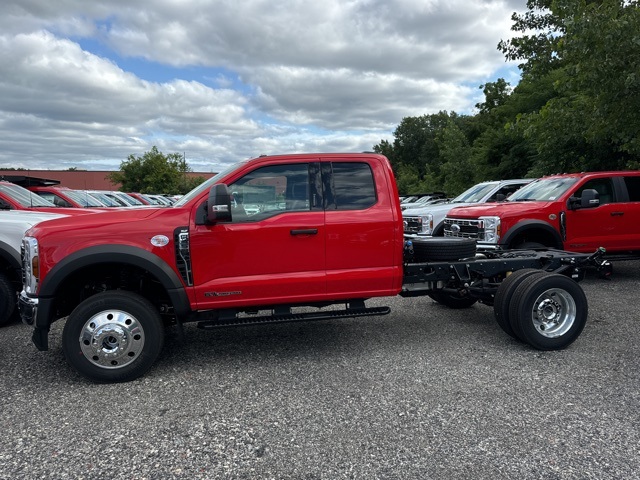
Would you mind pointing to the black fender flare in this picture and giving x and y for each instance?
(125, 254)
(528, 225)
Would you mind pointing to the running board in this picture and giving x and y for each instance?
(232, 320)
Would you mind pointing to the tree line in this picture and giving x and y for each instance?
(575, 108)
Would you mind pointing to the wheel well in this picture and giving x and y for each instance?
(101, 277)
(534, 235)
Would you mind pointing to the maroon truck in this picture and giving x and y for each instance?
(273, 239)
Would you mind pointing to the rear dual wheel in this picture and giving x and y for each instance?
(545, 310)
(505, 294)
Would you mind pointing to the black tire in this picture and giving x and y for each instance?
(113, 336)
(453, 301)
(443, 249)
(504, 295)
(548, 311)
(7, 299)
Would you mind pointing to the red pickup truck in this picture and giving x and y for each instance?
(578, 212)
(275, 238)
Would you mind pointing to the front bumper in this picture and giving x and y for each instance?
(31, 311)
(28, 308)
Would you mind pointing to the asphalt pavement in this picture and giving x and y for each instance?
(423, 393)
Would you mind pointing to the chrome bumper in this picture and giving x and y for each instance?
(28, 308)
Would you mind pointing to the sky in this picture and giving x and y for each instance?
(85, 84)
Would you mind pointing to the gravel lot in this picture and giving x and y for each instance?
(425, 392)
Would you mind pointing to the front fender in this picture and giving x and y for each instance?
(124, 254)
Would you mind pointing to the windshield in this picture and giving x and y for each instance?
(109, 202)
(83, 199)
(475, 193)
(543, 190)
(24, 197)
(128, 199)
(204, 186)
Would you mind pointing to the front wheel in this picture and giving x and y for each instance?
(548, 311)
(113, 336)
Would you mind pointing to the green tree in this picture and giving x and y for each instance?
(456, 172)
(590, 50)
(155, 172)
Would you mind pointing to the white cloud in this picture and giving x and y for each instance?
(313, 76)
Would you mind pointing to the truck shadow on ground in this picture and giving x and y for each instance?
(415, 326)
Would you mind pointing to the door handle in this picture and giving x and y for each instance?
(617, 214)
(305, 231)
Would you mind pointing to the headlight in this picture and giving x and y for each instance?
(490, 226)
(427, 224)
(30, 264)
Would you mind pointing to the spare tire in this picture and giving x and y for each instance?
(443, 248)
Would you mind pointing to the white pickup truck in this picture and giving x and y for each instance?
(13, 224)
(428, 220)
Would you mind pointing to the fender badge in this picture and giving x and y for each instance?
(159, 240)
(553, 216)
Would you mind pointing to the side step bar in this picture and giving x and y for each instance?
(231, 318)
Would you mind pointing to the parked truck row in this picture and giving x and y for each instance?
(272, 239)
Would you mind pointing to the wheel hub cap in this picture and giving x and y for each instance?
(554, 313)
(111, 339)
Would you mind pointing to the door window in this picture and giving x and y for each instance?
(633, 187)
(270, 191)
(604, 187)
(352, 187)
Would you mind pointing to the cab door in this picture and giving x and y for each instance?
(273, 250)
(601, 226)
(364, 236)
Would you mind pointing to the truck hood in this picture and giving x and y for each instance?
(498, 209)
(441, 208)
(16, 222)
(102, 219)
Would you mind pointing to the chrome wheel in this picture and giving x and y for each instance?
(554, 313)
(112, 339)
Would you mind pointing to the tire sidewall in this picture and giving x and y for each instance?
(7, 299)
(504, 295)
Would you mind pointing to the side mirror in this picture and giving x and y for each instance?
(589, 199)
(219, 204)
(500, 197)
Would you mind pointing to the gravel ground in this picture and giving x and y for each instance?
(424, 392)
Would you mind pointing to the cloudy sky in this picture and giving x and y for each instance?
(87, 83)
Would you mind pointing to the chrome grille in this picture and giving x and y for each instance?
(412, 224)
(457, 227)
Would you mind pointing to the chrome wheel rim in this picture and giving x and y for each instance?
(112, 339)
(554, 313)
